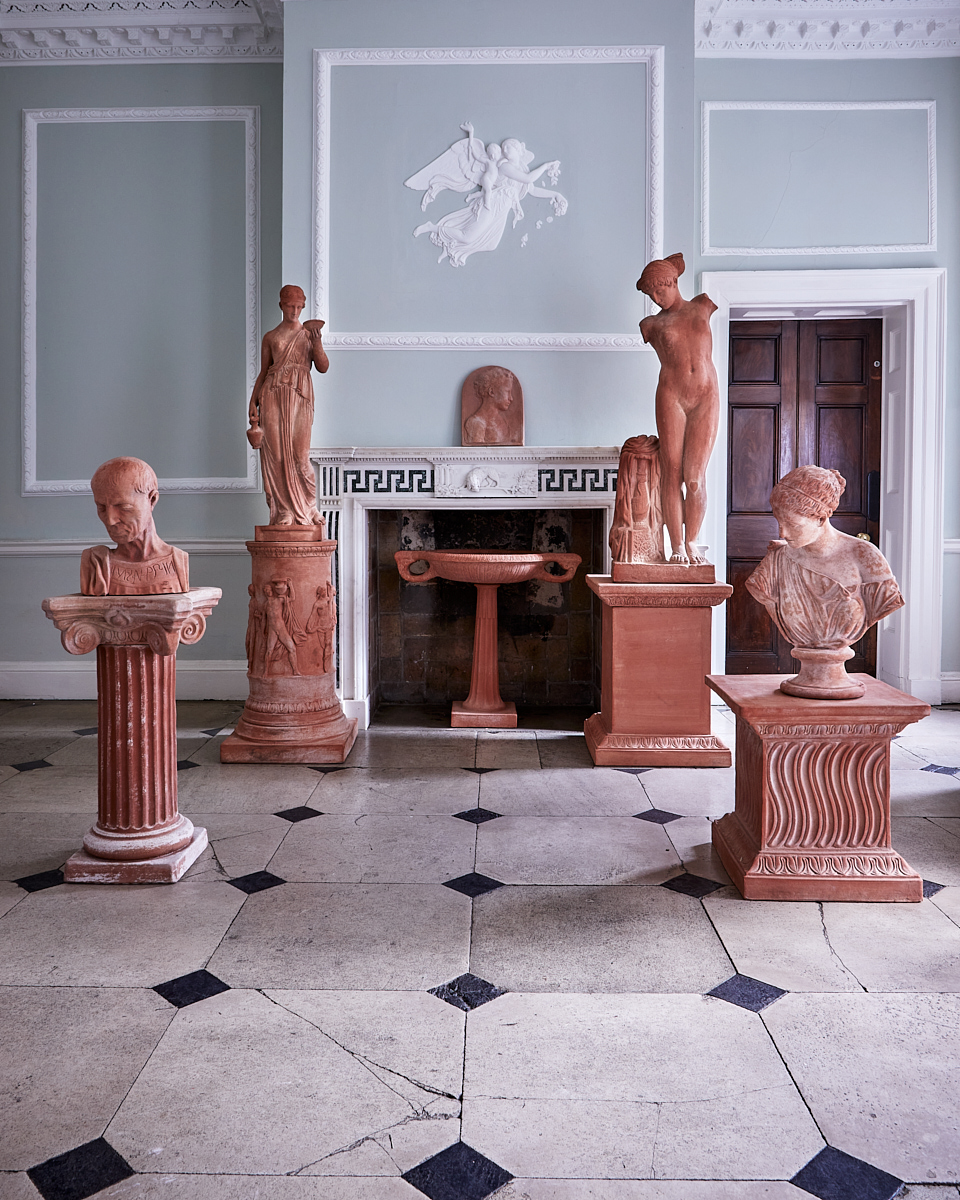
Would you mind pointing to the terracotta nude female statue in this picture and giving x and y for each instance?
(281, 413)
(688, 400)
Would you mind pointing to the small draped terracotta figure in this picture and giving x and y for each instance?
(822, 588)
(281, 413)
(125, 491)
(688, 400)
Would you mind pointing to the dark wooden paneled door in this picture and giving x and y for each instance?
(799, 392)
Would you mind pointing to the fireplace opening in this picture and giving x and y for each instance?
(421, 635)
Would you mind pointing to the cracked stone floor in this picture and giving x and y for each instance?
(460, 967)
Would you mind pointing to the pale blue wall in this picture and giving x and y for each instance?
(909, 79)
(408, 398)
(170, 389)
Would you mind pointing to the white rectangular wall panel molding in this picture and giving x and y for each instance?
(822, 183)
(33, 119)
(649, 206)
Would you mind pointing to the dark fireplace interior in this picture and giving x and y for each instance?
(421, 635)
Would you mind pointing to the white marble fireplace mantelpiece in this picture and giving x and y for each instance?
(352, 479)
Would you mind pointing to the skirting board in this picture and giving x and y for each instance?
(950, 687)
(76, 679)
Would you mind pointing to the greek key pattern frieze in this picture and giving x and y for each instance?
(602, 480)
(394, 480)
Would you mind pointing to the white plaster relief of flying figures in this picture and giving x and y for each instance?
(496, 179)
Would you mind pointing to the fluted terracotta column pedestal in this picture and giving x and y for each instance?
(812, 820)
(654, 705)
(293, 713)
(139, 836)
(484, 708)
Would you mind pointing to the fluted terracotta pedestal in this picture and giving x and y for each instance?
(654, 705)
(812, 820)
(484, 708)
(293, 713)
(139, 836)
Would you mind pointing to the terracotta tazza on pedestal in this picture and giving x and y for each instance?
(135, 608)
(484, 708)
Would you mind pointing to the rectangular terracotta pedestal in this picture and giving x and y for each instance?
(812, 820)
(168, 868)
(463, 718)
(654, 705)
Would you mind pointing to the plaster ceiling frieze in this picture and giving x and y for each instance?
(827, 28)
(77, 31)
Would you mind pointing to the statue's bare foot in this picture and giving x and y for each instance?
(696, 558)
(284, 518)
(679, 559)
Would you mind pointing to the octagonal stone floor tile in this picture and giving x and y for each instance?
(58, 716)
(397, 791)
(879, 1074)
(691, 792)
(642, 1189)
(239, 843)
(436, 749)
(80, 934)
(589, 1086)
(588, 850)
(508, 748)
(405, 937)
(924, 794)
(239, 788)
(931, 847)
(67, 1058)
(10, 895)
(596, 939)
(896, 947)
(253, 1187)
(555, 793)
(377, 848)
(239, 1083)
(54, 789)
(779, 942)
(691, 837)
(39, 841)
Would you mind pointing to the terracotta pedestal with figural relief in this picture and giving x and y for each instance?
(654, 706)
(812, 819)
(293, 713)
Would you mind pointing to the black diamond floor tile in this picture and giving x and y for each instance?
(80, 1173)
(692, 885)
(467, 992)
(634, 770)
(747, 992)
(457, 1173)
(188, 989)
(301, 813)
(473, 884)
(930, 888)
(256, 881)
(938, 770)
(36, 765)
(184, 764)
(658, 816)
(480, 770)
(37, 883)
(833, 1175)
(212, 732)
(88, 732)
(477, 816)
(322, 769)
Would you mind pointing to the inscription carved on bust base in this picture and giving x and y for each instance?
(812, 820)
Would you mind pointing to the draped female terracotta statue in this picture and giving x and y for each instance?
(281, 413)
(688, 400)
(822, 588)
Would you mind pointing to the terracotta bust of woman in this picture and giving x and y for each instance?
(823, 588)
(688, 400)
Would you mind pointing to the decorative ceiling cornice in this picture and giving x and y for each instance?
(828, 28)
(77, 31)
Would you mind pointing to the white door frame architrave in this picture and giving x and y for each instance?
(912, 301)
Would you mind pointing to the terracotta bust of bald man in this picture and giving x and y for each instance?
(125, 491)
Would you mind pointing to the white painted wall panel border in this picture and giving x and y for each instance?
(650, 56)
(33, 118)
(708, 107)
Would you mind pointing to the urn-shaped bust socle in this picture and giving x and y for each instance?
(822, 588)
